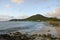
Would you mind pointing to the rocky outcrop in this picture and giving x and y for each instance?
(20, 36)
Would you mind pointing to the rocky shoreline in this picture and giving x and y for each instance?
(20, 36)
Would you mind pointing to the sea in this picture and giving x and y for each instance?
(30, 27)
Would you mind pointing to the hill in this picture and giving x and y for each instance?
(36, 17)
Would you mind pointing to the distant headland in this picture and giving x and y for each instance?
(37, 17)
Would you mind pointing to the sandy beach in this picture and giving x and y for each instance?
(58, 30)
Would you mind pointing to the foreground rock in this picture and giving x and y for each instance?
(20, 36)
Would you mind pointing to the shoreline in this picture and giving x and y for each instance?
(20, 36)
(58, 30)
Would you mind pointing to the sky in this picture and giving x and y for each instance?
(24, 8)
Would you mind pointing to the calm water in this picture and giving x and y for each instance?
(25, 27)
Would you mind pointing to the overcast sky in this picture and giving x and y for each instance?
(24, 8)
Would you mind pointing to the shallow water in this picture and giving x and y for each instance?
(26, 27)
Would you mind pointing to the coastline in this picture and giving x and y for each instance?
(58, 30)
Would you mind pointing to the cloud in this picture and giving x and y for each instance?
(8, 6)
(55, 13)
(40, 0)
(22, 16)
(5, 17)
(18, 1)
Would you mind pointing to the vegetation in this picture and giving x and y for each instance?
(37, 17)
(53, 19)
(20, 36)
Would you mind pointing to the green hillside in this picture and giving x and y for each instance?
(36, 17)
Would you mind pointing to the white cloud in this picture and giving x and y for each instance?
(55, 13)
(22, 16)
(8, 6)
(18, 1)
(5, 17)
(41, 0)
